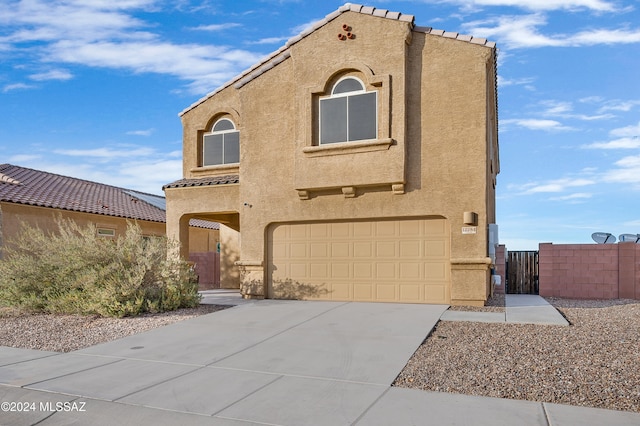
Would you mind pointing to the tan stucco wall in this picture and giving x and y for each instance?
(229, 255)
(12, 215)
(434, 99)
(203, 240)
(44, 218)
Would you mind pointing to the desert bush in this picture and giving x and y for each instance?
(74, 270)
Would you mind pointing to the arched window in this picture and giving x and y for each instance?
(349, 114)
(222, 145)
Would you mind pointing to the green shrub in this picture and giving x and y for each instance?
(75, 271)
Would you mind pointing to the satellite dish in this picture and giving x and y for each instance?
(629, 238)
(603, 238)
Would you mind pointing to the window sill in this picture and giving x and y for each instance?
(219, 168)
(341, 148)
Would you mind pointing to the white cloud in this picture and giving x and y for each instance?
(565, 110)
(629, 138)
(216, 27)
(52, 75)
(523, 32)
(632, 131)
(536, 124)
(596, 5)
(618, 105)
(16, 86)
(622, 143)
(558, 185)
(553, 186)
(504, 82)
(106, 153)
(575, 198)
(270, 40)
(628, 171)
(99, 33)
(147, 132)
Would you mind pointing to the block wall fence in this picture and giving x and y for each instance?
(585, 271)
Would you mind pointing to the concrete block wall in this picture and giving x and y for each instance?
(590, 271)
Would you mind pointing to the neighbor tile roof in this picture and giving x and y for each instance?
(206, 181)
(21, 185)
(283, 53)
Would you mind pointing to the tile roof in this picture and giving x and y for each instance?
(199, 223)
(206, 181)
(283, 53)
(21, 185)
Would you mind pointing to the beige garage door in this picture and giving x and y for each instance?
(383, 261)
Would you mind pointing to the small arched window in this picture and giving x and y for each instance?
(222, 145)
(349, 114)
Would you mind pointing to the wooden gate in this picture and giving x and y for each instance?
(522, 272)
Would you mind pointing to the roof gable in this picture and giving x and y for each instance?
(284, 53)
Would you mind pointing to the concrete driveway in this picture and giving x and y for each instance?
(261, 363)
(270, 362)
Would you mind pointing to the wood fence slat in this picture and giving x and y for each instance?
(522, 272)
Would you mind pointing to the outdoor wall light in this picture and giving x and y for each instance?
(470, 218)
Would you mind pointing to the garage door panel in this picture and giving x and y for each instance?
(319, 250)
(319, 271)
(410, 249)
(385, 229)
(385, 270)
(319, 230)
(340, 249)
(410, 228)
(362, 249)
(363, 291)
(340, 291)
(410, 293)
(392, 260)
(363, 229)
(435, 293)
(436, 271)
(386, 292)
(298, 232)
(386, 249)
(298, 270)
(411, 271)
(339, 230)
(436, 248)
(298, 250)
(340, 270)
(362, 270)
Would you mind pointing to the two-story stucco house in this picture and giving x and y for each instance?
(357, 162)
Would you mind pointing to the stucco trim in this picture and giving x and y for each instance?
(348, 147)
(226, 168)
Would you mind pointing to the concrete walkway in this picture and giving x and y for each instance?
(265, 362)
(519, 308)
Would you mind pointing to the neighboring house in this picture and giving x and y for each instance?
(358, 162)
(37, 198)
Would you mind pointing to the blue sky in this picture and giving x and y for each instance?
(93, 88)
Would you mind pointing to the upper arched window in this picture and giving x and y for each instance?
(350, 113)
(222, 145)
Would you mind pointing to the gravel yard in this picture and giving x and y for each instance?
(594, 362)
(66, 333)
